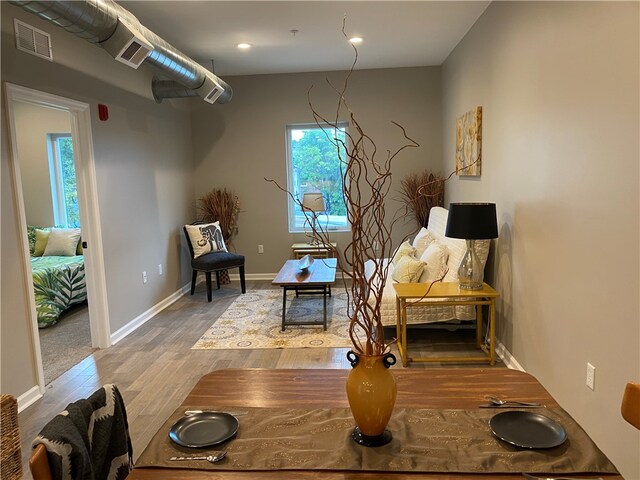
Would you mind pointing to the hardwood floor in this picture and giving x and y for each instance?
(154, 367)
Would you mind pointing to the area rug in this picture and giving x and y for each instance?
(254, 320)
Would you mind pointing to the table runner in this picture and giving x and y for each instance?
(424, 440)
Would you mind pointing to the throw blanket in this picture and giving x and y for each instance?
(90, 439)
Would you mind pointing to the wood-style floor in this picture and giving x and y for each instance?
(154, 367)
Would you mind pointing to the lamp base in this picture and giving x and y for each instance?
(470, 286)
(470, 273)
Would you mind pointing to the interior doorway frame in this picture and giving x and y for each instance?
(80, 119)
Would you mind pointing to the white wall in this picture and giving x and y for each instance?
(33, 124)
(558, 83)
(144, 170)
(239, 144)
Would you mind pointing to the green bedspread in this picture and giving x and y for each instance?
(58, 284)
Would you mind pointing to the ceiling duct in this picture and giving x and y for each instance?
(97, 21)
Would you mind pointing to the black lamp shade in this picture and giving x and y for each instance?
(472, 221)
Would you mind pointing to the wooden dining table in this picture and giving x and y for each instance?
(433, 388)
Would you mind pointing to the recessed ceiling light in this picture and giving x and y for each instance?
(244, 46)
(355, 39)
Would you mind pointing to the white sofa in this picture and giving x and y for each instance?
(456, 249)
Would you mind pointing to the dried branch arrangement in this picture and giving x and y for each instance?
(366, 175)
(223, 206)
(419, 193)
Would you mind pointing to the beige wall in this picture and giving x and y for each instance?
(238, 144)
(143, 163)
(33, 123)
(558, 83)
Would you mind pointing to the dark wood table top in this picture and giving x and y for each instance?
(461, 388)
(322, 272)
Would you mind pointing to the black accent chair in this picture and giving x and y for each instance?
(214, 262)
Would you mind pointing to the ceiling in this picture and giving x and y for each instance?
(395, 33)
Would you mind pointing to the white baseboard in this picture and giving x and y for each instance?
(149, 314)
(253, 276)
(508, 359)
(29, 397)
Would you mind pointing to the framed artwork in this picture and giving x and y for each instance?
(469, 143)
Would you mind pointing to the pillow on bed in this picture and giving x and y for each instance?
(407, 270)
(435, 256)
(62, 242)
(402, 251)
(206, 238)
(42, 236)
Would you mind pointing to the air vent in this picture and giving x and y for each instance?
(31, 40)
(210, 90)
(127, 45)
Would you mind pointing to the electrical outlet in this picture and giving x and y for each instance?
(144, 277)
(260, 248)
(159, 269)
(591, 376)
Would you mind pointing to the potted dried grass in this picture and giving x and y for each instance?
(419, 192)
(221, 205)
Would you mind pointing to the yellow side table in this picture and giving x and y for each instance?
(410, 295)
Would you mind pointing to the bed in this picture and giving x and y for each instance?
(58, 281)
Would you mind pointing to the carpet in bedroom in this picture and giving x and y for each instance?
(66, 343)
(254, 320)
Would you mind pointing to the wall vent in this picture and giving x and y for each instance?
(32, 40)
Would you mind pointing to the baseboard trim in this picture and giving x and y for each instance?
(253, 276)
(506, 356)
(148, 315)
(29, 398)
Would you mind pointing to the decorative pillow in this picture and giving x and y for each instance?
(435, 256)
(62, 242)
(42, 236)
(403, 250)
(79, 250)
(423, 239)
(206, 238)
(407, 270)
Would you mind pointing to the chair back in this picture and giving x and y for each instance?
(10, 451)
(630, 408)
(67, 441)
(39, 464)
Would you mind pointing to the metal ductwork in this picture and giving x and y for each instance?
(97, 21)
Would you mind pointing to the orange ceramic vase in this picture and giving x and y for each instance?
(371, 390)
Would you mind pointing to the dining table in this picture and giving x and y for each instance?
(431, 390)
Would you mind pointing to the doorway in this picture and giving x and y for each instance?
(54, 183)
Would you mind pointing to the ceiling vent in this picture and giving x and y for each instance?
(127, 45)
(30, 39)
(210, 90)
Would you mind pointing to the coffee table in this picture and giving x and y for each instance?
(317, 279)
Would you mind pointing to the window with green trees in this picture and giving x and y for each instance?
(313, 165)
(63, 181)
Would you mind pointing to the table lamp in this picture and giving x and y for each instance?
(313, 202)
(471, 222)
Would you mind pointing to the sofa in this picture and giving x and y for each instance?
(438, 254)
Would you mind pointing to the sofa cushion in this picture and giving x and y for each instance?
(408, 269)
(422, 240)
(435, 257)
(403, 250)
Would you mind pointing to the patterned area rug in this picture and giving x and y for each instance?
(254, 320)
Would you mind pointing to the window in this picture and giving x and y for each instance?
(313, 165)
(63, 181)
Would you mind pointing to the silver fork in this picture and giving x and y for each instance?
(531, 477)
(216, 457)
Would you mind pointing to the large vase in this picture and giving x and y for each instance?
(371, 390)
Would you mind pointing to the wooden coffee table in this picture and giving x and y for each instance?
(317, 279)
